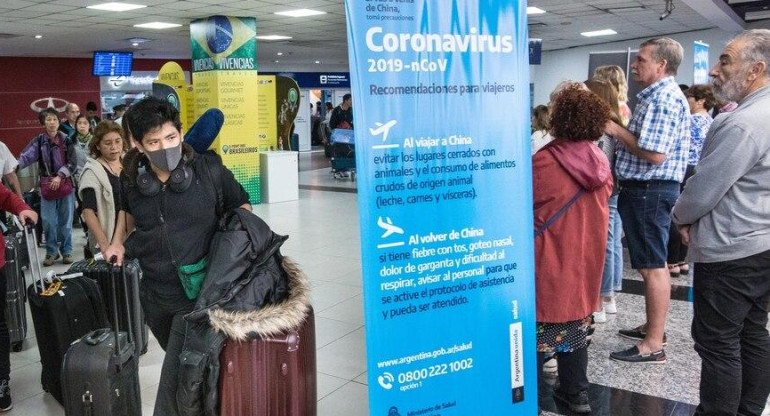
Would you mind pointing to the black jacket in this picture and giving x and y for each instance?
(256, 293)
(176, 228)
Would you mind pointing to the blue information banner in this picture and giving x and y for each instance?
(535, 51)
(700, 63)
(441, 107)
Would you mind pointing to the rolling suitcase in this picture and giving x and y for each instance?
(102, 273)
(15, 297)
(62, 312)
(100, 373)
(275, 377)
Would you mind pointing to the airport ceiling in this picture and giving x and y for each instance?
(69, 29)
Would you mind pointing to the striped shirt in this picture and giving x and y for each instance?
(661, 124)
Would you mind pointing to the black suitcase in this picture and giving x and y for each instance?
(15, 297)
(101, 272)
(100, 373)
(60, 316)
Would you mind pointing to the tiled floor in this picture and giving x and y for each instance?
(324, 238)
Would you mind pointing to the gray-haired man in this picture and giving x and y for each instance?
(724, 213)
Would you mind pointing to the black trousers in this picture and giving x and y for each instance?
(165, 317)
(729, 328)
(677, 250)
(573, 370)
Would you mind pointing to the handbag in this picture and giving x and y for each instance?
(65, 188)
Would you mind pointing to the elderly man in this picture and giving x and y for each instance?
(724, 212)
(71, 113)
(651, 161)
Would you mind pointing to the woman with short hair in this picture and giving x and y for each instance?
(55, 154)
(572, 184)
(701, 100)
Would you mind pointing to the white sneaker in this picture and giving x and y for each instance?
(600, 317)
(550, 365)
(611, 306)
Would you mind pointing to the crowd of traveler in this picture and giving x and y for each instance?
(682, 186)
(686, 187)
(76, 157)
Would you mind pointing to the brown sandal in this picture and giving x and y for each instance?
(673, 270)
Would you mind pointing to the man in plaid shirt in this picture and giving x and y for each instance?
(651, 161)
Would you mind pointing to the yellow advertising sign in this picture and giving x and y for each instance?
(267, 118)
(278, 106)
(225, 77)
(172, 86)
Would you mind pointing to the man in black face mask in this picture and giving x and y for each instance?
(169, 201)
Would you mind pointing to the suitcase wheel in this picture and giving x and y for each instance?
(17, 346)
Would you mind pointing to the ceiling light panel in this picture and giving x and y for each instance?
(273, 37)
(300, 13)
(603, 32)
(534, 10)
(157, 25)
(116, 7)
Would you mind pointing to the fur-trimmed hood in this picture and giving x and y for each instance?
(271, 320)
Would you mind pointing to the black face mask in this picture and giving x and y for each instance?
(165, 159)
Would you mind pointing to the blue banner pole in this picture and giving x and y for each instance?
(441, 110)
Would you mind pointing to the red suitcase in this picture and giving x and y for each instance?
(270, 377)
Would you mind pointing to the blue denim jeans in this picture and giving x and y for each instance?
(57, 224)
(612, 277)
(645, 208)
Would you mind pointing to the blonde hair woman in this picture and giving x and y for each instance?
(615, 76)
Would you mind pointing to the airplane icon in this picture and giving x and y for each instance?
(383, 129)
(388, 226)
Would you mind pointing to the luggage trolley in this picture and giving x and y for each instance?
(343, 152)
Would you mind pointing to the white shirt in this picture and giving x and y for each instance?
(8, 163)
(539, 139)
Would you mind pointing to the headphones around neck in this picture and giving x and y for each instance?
(149, 185)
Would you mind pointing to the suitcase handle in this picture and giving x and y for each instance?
(34, 257)
(97, 337)
(114, 275)
(291, 340)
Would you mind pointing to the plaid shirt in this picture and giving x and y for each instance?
(661, 124)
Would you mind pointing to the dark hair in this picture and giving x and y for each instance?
(50, 111)
(577, 114)
(78, 118)
(607, 92)
(90, 106)
(149, 114)
(684, 87)
(101, 130)
(346, 97)
(329, 105)
(119, 107)
(702, 92)
(540, 114)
